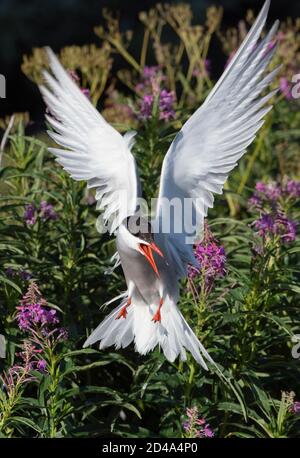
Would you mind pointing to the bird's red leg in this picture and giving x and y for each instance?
(157, 317)
(123, 311)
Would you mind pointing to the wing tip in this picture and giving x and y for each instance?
(50, 53)
(265, 8)
(86, 343)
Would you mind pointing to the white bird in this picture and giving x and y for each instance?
(196, 165)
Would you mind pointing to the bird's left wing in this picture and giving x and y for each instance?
(211, 142)
(92, 149)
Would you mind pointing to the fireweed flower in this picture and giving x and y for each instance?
(33, 315)
(17, 377)
(196, 427)
(47, 211)
(30, 214)
(276, 225)
(30, 357)
(23, 274)
(20, 373)
(285, 227)
(166, 104)
(152, 77)
(270, 191)
(268, 200)
(295, 407)
(292, 188)
(146, 106)
(10, 272)
(150, 89)
(212, 261)
(44, 212)
(264, 225)
(150, 72)
(39, 323)
(37, 351)
(36, 318)
(41, 365)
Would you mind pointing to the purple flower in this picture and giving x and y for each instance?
(32, 313)
(278, 224)
(264, 225)
(47, 211)
(30, 214)
(271, 191)
(196, 427)
(260, 187)
(292, 188)
(149, 88)
(62, 334)
(150, 72)
(166, 104)
(295, 407)
(10, 272)
(146, 107)
(211, 258)
(285, 227)
(208, 432)
(19, 374)
(86, 92)
(35, 317)
(41, 365)
(24, 275)
(255, 202)
(269, 201)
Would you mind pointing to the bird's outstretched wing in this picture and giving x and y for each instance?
(210, 143)
(92, 149)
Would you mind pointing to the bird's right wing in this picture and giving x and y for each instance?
(92, 149)
(213, 139)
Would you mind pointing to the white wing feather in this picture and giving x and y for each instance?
(215, 137)
(92, 149)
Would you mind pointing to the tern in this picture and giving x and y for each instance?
(196, 166)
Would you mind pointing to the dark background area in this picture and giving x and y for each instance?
(34, 23)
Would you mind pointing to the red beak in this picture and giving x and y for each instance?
(146, 250)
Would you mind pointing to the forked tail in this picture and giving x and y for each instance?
(172, 333)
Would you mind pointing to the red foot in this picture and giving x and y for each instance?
(157, 317)
(123, 311)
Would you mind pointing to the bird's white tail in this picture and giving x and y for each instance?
(172, 333)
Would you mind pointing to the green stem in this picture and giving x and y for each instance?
(53, 395)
